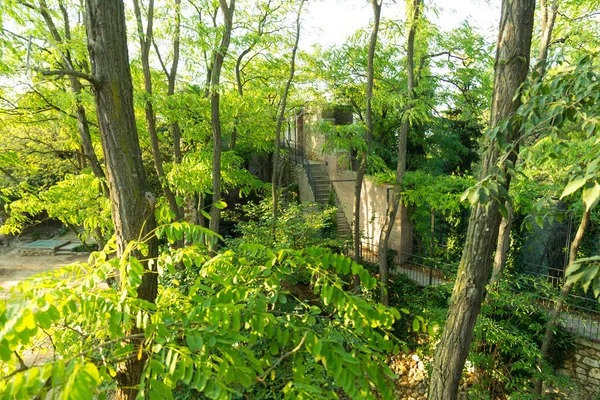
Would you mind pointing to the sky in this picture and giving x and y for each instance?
(329, 22)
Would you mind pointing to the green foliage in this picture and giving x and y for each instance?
(425, 313)
(193, 175)
(298, 225)
(585, 270)
(342, 137)
(235, 332)
(331, 229)
(452, 145)
(77, 200)
(441, 194)
(508, 336)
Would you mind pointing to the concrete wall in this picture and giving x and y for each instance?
(306, 193)
(373, 197)
(374, 202)
(314, 141)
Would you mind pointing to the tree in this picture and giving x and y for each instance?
(46, 96)
(394, 203)
(171, 75)
(281, 116)
(76, 86)
(512, 63)
(146, 39)
(215, 112)
(576, 90)
(548, 18)
(132, 201)
(360, 174)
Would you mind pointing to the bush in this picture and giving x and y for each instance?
(507, 341)
(298, 226)
(236, 333)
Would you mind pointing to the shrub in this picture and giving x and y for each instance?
(236, 332)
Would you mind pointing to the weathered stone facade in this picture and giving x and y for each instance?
(584, 368)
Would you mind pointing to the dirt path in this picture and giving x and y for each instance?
(15, 268)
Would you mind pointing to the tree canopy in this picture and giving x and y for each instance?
(154, 130)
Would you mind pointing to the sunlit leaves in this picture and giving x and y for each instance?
(193, 175)
(77, 200)
(235, 328)
(586, 271)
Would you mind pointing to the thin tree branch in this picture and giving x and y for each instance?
(65, 72)
(160, 59)
(283, 357)
(55, 107)
(585, 16)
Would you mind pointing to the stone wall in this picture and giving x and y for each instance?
(584, 368)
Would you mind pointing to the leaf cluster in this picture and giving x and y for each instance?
(230, 335)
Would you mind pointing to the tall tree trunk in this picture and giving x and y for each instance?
(83, 126)
(511, 66)
(175, 128)
(388, 225)
(503, 245)
(566, 289)
(132, 201)
(215, 114)
(362, 167)
(276, 177)
(145, 40)
(548, 18)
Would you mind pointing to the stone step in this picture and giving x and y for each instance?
(63, 252)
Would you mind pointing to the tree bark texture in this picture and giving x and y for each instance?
(394, 205)
(503, 245)
(215, 112)
(362, 167)
(511, 67)
(548, 18)
(276, 176)
(566, 289)
(132, 202)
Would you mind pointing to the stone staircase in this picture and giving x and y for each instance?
(321, 185)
